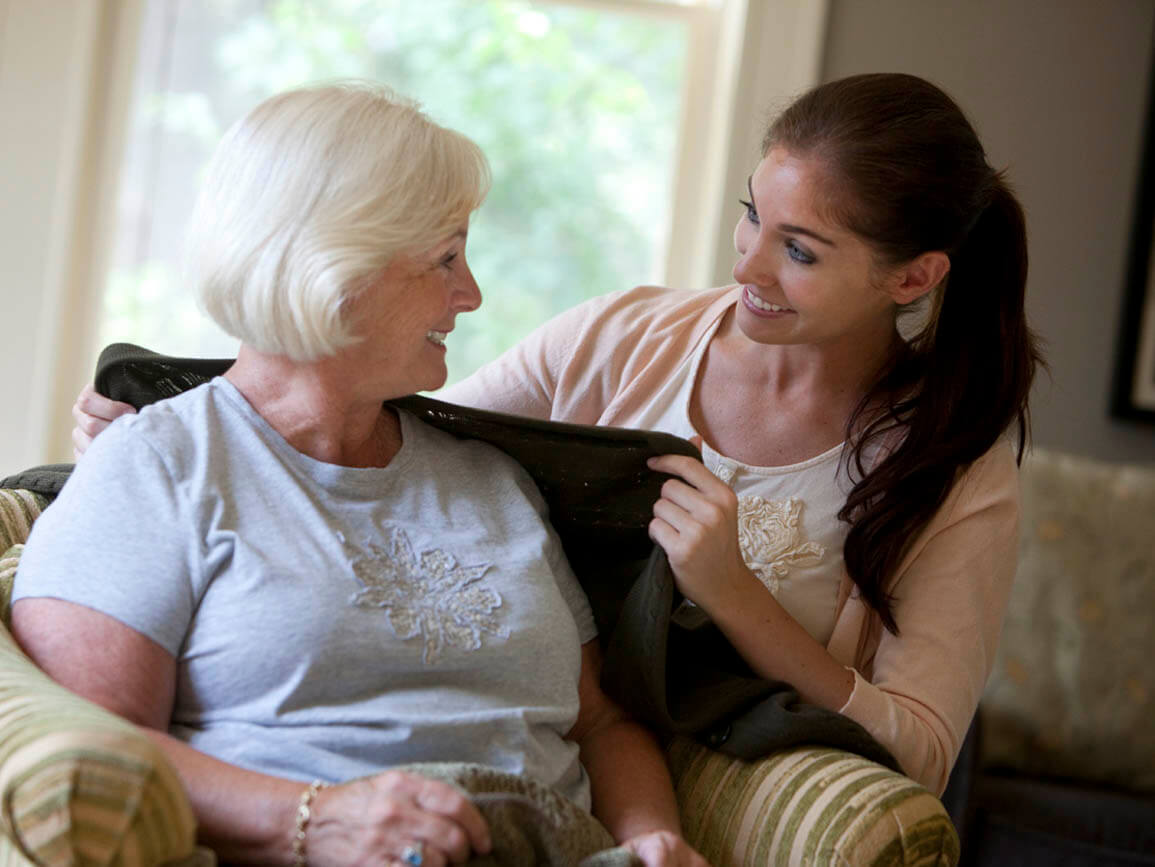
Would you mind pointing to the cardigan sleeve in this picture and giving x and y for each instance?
(523, 380)
(576, 365)
(918, 692)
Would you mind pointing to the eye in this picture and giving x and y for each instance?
(447, 259)
(798, 254)
(751, 211)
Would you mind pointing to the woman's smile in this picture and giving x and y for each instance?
(759, 306)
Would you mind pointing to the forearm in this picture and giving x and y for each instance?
(630, 783)
(777, 647)
(244, 816)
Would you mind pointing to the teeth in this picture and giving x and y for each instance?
(437, 337)
(765, 305)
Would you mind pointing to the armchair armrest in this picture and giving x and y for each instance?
(807, 805)
(18, 509)
(78, 785)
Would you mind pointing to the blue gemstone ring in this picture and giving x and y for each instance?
(414, 855)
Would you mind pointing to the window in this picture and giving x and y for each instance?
(577, 104)
(113, 105)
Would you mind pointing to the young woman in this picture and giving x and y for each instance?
(853, 529)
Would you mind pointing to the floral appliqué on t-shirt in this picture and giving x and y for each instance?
(771, 540)
(427, 595)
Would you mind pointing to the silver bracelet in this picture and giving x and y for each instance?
(301, 826)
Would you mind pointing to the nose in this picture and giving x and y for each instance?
(752, 265)
(468, 294)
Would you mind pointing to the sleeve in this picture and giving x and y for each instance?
(116, 540)
(523, 379)
(923, 685)
(585, 365)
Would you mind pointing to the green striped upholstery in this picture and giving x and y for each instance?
(808, 805)
(79, 786)
(18, 509)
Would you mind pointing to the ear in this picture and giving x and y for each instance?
(919, 276)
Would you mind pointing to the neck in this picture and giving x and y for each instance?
(838, 372)
(317, 408)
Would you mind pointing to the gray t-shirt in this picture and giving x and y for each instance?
(327, 621)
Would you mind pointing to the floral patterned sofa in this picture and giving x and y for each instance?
(1064, 773)
(80, 786)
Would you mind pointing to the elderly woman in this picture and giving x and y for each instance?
(289, 582)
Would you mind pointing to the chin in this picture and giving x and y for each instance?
(435, 382)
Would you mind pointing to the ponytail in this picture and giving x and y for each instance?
(960, 385)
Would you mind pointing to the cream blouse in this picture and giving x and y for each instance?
(788, 525)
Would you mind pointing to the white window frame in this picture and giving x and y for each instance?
(66, 79)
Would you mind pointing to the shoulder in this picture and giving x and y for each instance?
(178, 437)
(172, 427)
(659, 307)
(618, 332)
(485, 470)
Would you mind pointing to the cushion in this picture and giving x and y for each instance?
(808, 805)
(1073, 690)
(79, 785)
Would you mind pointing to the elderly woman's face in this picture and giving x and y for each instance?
(408, 312)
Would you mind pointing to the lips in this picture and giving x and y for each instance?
(761, 304)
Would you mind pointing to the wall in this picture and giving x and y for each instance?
(1057, 90)
(63, 76)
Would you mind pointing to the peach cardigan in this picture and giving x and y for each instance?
(915, 692)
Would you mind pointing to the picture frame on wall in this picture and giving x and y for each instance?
(1134, 389)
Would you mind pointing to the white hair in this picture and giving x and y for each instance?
(308, 197)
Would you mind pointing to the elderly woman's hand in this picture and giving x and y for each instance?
(92, 413)
(389, 814)
(664, 849)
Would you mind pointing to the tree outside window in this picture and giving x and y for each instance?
(575, 106)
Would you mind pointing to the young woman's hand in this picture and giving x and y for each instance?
(92, 413)
(696, 523)
(664, 849)
(380, 817)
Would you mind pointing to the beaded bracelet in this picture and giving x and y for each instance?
(304, 814)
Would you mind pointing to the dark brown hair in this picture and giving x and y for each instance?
(905, 171)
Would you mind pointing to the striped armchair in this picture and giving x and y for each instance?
(81, 786)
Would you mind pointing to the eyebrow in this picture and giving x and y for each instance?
(790, 229)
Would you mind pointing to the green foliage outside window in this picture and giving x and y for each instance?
(576, 108)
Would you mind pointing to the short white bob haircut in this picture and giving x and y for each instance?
(309, 197)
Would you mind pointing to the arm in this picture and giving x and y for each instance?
(523, 379)
(632, 792)
(917, 693)
(576, 365)
(246, 817)
(696, 522)
(920, 689)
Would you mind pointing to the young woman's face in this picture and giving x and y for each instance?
(406, 315)
(805, 280)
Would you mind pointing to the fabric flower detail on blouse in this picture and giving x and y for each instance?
(427, 595)
(771, 539)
